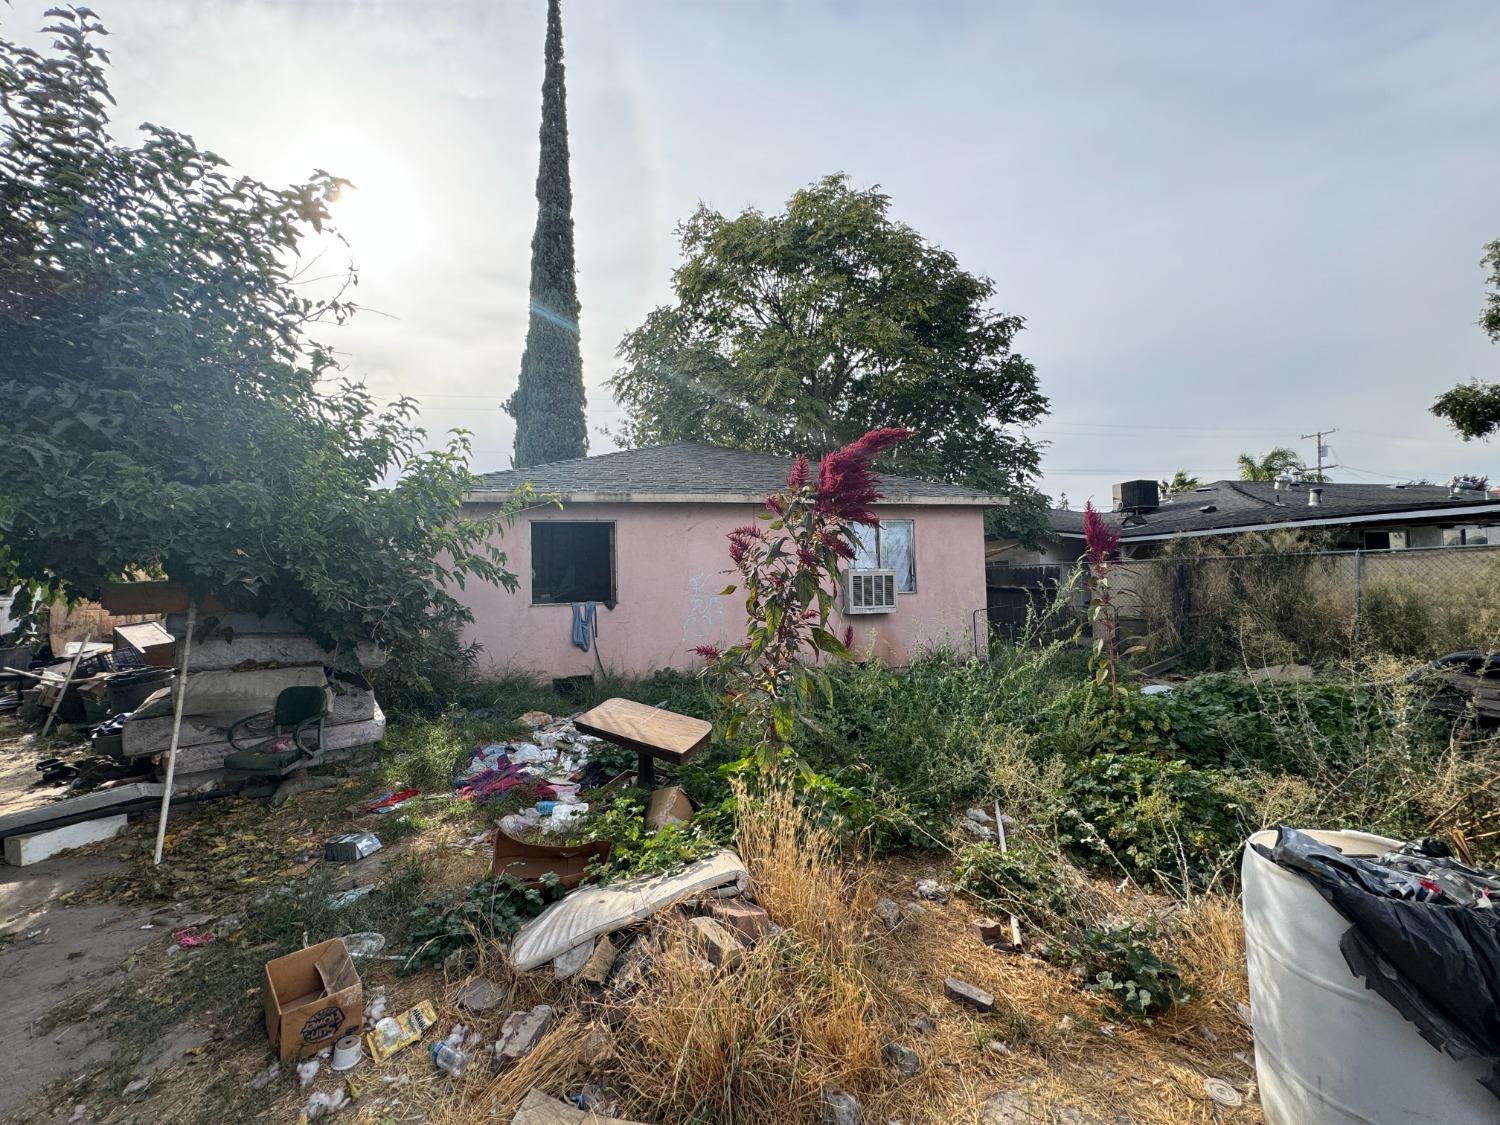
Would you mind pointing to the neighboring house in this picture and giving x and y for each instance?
(641, 533)
(1362, 516)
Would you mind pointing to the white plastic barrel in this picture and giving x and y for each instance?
(1328, 1050)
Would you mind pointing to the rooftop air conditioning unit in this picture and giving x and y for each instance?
(870, 591)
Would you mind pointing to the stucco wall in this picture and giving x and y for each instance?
(671, 562)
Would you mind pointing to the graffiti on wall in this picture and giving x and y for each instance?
(704, 623)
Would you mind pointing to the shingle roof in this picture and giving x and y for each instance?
(1239, 504)
(687, 471)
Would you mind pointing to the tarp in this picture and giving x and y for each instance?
(1424, 934)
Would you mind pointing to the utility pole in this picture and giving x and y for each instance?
(1319, 435)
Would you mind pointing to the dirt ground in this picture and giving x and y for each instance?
(104, 1022)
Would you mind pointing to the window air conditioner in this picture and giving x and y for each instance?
(870, 591)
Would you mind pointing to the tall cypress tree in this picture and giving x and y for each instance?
(548, 403)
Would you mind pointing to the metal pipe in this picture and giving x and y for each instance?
(182, 680)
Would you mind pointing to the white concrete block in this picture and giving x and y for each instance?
(37, 846)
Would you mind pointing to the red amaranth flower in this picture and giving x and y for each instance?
(846, 484)
(1102, 540)
(807, 557)
(797, 478)
(776, 503)
(739, 541)
(711, 653)
(836, 544)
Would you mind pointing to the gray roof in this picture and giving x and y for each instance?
(1240, 505)
(687, 472)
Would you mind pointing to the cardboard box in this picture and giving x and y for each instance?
(668, 806)
(529, 862)
(312, 997)
(156, 646)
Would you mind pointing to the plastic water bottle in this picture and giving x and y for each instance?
(450, 1060)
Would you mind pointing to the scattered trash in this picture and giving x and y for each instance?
(312, 997)
(348, 1052)
(325, 1103)
(366, 943)
(353, 894)
(307, 1071)
(193, 937)
(538, 1108)
(1222, 1092)
(529, 862)
(888, 912)
(265, 1077)
(931, 890)
(668, 806)
(925, 1024)
(351, 847)
(390, 802)
(902, 1059)
(449, 1059)
(393, 1034)
(961, 992)
(998, 1047)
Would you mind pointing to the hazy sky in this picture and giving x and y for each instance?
(1226, 224)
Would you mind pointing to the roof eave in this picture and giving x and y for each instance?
(487, 496)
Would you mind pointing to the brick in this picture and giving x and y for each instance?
(745, 919)
(961, 992)
(721, 947)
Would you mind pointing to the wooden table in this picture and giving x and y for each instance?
(649, 731)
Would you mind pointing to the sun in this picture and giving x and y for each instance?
(384, 213)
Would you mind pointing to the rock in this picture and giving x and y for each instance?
(1205, 1034)
(838, 1107)
(745, 919)
(1010, 1108)
(902, 1059)
(534, 719)
(913, 910)
(932, 890)
(265, 1077)
(990, 929)
(596, 969)
(521, 1032)
(1242, 1010)
(961, 992)
(596, 1047)
(979, 816)
(570, 962)
(925, 1024)
(479, 995)
(888, 913)
(137, 1086)
(996, 1047)
(721, 947)
(976, 831)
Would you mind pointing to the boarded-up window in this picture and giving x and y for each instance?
(892, 545)
(572, 562)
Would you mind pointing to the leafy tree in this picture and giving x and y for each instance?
(167, 414)
(1474, 408)
(1271, 465)
(549, 399)
(804, 330)
(1181, 481)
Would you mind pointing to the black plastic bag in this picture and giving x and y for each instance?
(1434, 958)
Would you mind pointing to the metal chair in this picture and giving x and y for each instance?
(289, 737)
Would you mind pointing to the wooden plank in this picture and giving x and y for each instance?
(152, 597)
(647, 730)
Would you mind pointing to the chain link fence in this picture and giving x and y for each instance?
(1309, 607)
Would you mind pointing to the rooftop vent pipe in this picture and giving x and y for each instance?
(1314, 497)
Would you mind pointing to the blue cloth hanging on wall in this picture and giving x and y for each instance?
(584, 624)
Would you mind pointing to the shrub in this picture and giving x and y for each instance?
(492, 910)
(1121, 966)
(1165, 823)
(1022, 880)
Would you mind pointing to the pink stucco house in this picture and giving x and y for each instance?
(641, 534)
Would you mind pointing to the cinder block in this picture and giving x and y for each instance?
(37, 846)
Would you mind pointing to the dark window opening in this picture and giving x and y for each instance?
(572, 562)
(1377, 540)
